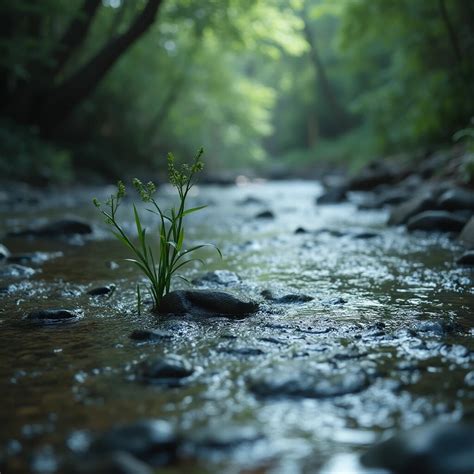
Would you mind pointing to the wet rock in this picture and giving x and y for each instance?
(219, 277)
(467, 234)
(334, 301)
(150, 335)
(33, 258)
(206, 303)
(102, 290)
(405, 211)
(286, 299)
(434, 327)
(169, 370)
(466, 259)
(54, 315)
(365, 235)
(63, 227)
(435, 448)
(4, 252)
(224, 436)
(249, 200)
(118, 462)
(16, 271)
(332, 232)
(265, 215)
(376, 174)
(390, 197)
(456, 199)
(300, 230)
(438, 221)
(241, 351)
(333, 195)
(152, 441)
(305, 383)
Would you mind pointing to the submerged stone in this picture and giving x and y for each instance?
(206, 303)
(168, 370)
(102, 290)
(62, 227)
(145, 335)
(467, 234)
(286, 299)
(241, 351)
(305, 383)
(265, 215)
(16, 271)
(224, 436)
(440, 221)
(152, 441)
(466, 259)
(435, 448)
(4, 252)
(218, 277)
(53, 315)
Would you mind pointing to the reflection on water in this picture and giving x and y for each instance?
(393, 305)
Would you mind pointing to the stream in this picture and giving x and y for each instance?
(387, 337)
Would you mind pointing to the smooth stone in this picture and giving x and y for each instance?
(265, 215)
(333, 195)
(469, 379)
(62, 227)
(16, 271)
(309, 384)
(456, 199)
(374, 175)
(152, 441)
(102, 290)
(430, 326)
(219, 277)
(434, 448)
(241, 351)
(4, 252)
(167, 370)
(438, 221)
(53, 315)
(334, 301)
(466, 259)
(286, 299)
(206, 303)
(466, 236)
(224, 436)
(365, 235)
(36, 258)
(118, 462)
(250, 200)
(402, 213)
(301, 230)
(145, 335)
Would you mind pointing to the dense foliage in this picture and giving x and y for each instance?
(107, 85)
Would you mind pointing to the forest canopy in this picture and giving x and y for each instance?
(100, 88)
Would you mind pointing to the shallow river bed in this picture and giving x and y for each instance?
(386, 343)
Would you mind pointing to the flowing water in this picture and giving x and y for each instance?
(391, 304)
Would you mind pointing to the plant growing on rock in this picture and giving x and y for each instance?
(161, 264)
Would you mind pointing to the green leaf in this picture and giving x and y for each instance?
(193, 209)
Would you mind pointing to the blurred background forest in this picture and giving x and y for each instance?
(100, 89)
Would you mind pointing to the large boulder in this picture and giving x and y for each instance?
(467, 259)
(436, 448)
(206, 303)
(456, 199)
(438, 221)
(467, 234)
(62, 227)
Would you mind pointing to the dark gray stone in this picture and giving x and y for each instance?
(438, 221)
(241, 351)
(149, 335)
(152, 441)
(365, 235)
(466, 259)
(467, 234)
(206, 303)
(300, 230)
(456, 199)
(63, 227)
(102, 290)
(16, 271)
(53, 315)
(286, 299)
(249, 200)
(403, 212)
(168, 370)
(265, 215)
(333, 195)
(435, 448)
(290, 382)
(33, 258)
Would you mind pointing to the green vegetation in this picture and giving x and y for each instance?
(159, 267)
(101, 87)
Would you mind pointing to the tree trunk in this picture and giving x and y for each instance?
(61, 100)
(450, 29)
